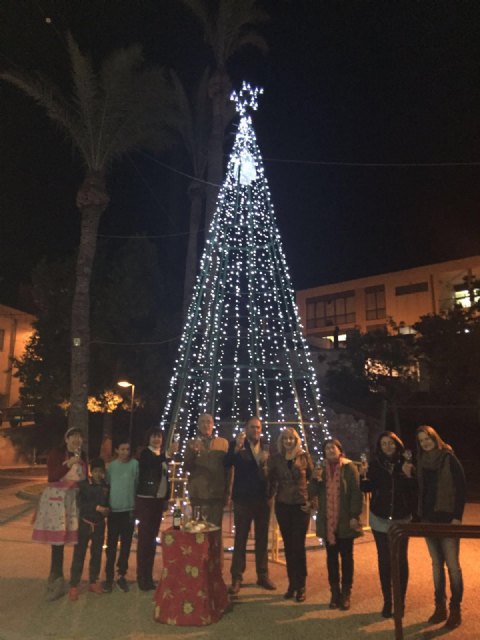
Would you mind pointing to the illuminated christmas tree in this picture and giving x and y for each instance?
(242, 351)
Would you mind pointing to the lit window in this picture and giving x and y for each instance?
(462, 298)
(342, 337)
(405, 330)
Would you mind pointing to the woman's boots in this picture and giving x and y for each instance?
(335, 599)
(440, 613)
(454, 617)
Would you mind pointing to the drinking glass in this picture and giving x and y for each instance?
(196, 514)
(408, 455)
(204, 513)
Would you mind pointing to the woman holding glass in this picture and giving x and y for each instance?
(389, 478)
(290, 470)
(441, 484)
(150, 503)
(336, 484)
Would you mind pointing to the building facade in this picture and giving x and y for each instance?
(15, 331)
(368, 304)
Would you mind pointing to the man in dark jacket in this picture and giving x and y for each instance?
(251, 502)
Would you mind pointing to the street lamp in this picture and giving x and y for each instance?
(125, 384)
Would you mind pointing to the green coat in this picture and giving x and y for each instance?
(350, 501)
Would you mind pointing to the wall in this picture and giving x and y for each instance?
(17, 328)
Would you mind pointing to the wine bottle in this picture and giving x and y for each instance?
(177, 515)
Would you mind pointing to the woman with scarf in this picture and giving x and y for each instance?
(389, 478)
(336, 485)
(441, 483)
(151, 502)
(290, 470)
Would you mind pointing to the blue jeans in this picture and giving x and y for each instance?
(446, 551)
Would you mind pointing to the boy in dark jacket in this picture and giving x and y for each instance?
(93, 508)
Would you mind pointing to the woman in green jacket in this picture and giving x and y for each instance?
(336, 485)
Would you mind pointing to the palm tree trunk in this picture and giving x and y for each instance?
(107, 437)
(196, 193)
(218, 92)
(92, 200)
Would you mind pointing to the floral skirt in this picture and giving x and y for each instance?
(56, 520)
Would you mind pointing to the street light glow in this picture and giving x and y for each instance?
(125, 384)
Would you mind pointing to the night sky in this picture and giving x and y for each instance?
(348, 85)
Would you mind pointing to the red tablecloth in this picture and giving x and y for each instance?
(191, 591)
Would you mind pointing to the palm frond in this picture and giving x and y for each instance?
(244, 39)
(116, 100)
(199, 9)
(235, 20)
(146, 117)
(202, 111)
(48, 96)
(110, 113)
(85, 83)
(185, 128)
(195, 119)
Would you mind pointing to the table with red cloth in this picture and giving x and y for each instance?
(191, 591)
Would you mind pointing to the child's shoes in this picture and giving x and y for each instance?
(94, 587)
(73, 594)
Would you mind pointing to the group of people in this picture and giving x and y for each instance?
(74, 507)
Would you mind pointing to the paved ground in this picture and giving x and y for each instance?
(256, 614)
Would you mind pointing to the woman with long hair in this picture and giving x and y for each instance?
(56, 519)
(290, 470)
(336, 484)
(441, 485)
(389, 478)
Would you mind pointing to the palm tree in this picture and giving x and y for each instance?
(193, 126)
(109, 113)
(228, 27)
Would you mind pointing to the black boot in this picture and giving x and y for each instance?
(440, 613)
(335, 599)
(387, 609)
(454, 617)
(301, 594)
(345, 600)
(290, 592)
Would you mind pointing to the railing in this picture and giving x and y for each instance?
(418, 530)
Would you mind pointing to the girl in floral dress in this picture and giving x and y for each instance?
(56, 520)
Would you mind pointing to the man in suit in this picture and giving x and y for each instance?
(251, 502)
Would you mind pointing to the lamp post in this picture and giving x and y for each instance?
(125, 384)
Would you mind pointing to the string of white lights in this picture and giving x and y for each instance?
(242, 351)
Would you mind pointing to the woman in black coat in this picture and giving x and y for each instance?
(151, 502)
(390, 480)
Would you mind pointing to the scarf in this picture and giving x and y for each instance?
(438, 460)
(332, 497)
